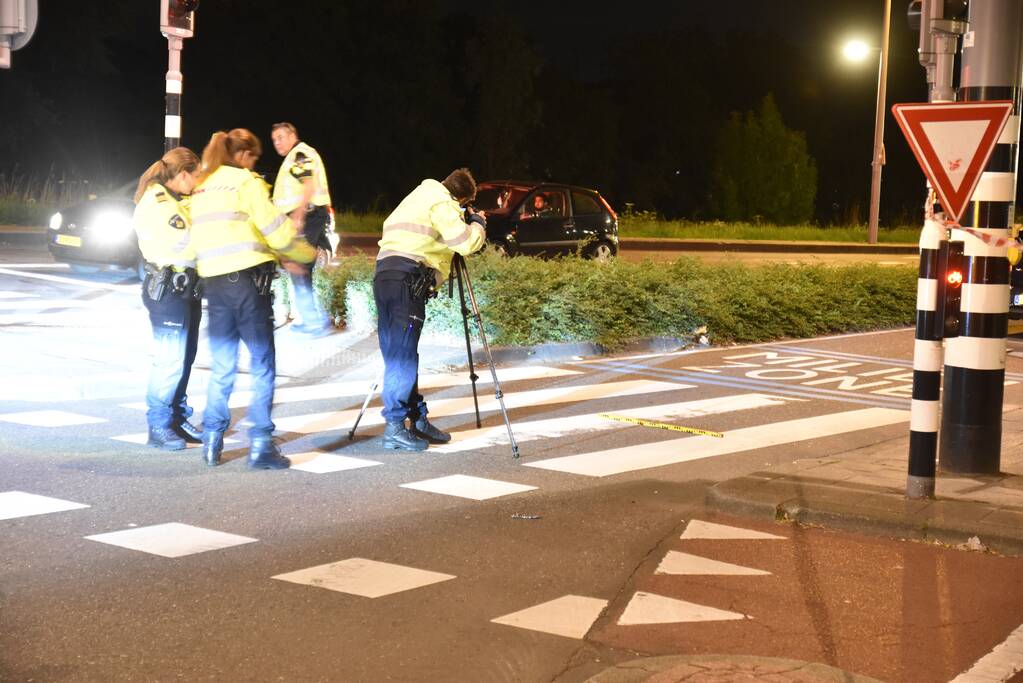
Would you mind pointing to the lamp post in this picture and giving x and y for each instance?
(857, 51)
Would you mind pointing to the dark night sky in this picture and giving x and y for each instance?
(391, 92)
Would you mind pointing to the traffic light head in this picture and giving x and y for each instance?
(177, 17)
(953, 290)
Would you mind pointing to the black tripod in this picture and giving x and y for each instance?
(460, 275)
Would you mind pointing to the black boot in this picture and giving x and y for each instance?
(165, 438)
(396, 436)
(423, 429)
(212, 447)
(190, 432)
(264, 455)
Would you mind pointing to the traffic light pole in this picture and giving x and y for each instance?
(938, 41)
(974, 378)
(172, 108)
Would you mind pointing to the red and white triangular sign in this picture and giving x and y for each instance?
(952, 142)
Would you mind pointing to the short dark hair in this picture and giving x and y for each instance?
(461, 184)
(284, 124)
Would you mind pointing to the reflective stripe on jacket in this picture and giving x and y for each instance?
(162, 225)
(301, 163)
(427, 227)
(236, 226)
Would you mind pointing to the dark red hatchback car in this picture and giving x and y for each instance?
(547, 219)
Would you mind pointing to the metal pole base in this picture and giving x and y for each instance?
(919, 487)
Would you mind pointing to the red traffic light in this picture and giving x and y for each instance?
(182, 7)
(177, 17)
(954, 277)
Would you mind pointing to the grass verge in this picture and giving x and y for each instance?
(645, 225)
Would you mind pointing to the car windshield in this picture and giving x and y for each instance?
(498, 199)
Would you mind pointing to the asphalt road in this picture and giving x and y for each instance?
(451, 579)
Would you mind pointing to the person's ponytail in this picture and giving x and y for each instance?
(167, 168)
(215, 154)
(222, 147)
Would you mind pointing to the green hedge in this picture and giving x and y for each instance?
(527, 301)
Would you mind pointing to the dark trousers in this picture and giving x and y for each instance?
(175, 322)
(399, 324)
(315, 228)
(238, 311)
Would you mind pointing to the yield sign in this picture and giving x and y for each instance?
(953, 142)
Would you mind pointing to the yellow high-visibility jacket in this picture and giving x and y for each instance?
(301, 163)
(236, 226)
(427, 227)
(162, 225)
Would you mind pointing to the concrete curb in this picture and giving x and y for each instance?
(560, 353)
(870, 510)
(724, 667)
(365, 240)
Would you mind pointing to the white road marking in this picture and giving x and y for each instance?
(674, 451)
(464, 486)
(320, 422)
(694, 565)
(171, 540)
(475, 439)
(17, 295)
(1001, 664)
(708, 530)
(14, 504)
(319, 462)
(50, 418)
(570, 616)
(42, 304)
(71, 281)
(143, 437)
(353, 388)
(649, 608)
(368, 578)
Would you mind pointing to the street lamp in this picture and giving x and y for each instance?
(857, 51)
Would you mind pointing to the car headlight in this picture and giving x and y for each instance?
(111, 227)
(56, 220)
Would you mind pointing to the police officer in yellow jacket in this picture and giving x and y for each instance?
(419, 241)
(169, 294)
(301, 184)
(238, 236)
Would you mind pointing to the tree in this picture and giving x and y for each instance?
(762, 169)
(503, 110)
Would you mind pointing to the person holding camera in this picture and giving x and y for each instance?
(169, 294)
(238, 236)
(420, 239)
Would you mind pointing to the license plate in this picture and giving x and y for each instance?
(69, 241)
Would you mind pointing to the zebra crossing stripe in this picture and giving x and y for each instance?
(358, 388)
(319, 422)
(477, 439)
(674, 451)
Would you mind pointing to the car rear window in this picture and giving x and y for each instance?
(497, 199)
(583, 204)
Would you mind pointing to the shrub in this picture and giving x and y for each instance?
(526, 301)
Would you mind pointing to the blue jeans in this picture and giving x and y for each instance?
(399, 324)
(175, 324)
(314, 317)
(238, 311)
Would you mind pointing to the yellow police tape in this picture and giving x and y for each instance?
(661, 425)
